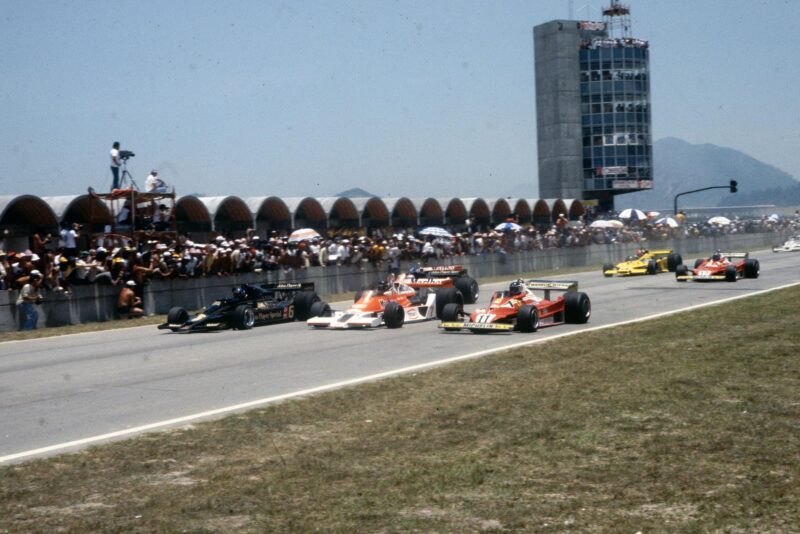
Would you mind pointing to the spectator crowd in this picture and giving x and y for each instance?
(61, 265)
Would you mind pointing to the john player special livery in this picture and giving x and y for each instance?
(252, 305)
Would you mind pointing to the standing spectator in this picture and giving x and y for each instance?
(128, 303)
(115, 163)
(69, 238)
(29, 296)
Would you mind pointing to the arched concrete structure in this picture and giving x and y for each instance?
(191, 215)
(479, 210)
(403, 212)
(269, 213)
(541, 212)
(340, 211)
(230, 215)
(575, 208)
(429, 210)
(23, 215)
(307, 212)
(373, 211)
(557, 207)
(522, 208)
(84, 209)
(499, 209)
(456, 212)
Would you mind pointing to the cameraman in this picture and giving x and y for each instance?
(115, 163)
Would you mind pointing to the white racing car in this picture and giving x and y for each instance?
(791, 245)
(391, 304)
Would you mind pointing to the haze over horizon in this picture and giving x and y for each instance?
(403, 98)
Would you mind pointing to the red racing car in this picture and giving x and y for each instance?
(729, 266)
(521, 309)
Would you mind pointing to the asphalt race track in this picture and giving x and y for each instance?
(80, 387)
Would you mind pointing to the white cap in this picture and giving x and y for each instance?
(36, 272)
(130, 283)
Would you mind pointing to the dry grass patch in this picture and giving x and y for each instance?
(689, 423)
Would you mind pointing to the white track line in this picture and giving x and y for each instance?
(354, 381)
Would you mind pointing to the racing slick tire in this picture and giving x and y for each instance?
(446, 296)
(468, 288)
(751, 268)
(673, 260)
(450, 312)
(697, 262)
(577, 308)
(652, 268)
(393, 315)
(320, 309)
(730, 273)
(608, 267)
(243, 317)
(177, 315)
(681, 270)
(528, 319)
(302, 304)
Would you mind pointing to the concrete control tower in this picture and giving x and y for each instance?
(593, 108)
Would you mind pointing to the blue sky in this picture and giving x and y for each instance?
(413, 98)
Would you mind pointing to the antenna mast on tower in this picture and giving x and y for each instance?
(618, 20)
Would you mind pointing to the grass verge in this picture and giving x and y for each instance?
(684, 424)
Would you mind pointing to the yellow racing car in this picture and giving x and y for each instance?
(645, 262)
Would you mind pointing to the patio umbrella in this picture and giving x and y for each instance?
(507, 227)
(774, 217)
(722, 221)
(303, 234)
(669, 221)
(435, 231)
(632, 214)
(653, 214)
(601, 223)
(615, 224)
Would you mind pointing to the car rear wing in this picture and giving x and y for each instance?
(552, 285)
(439, 271)
(735, 255)
(289, 286)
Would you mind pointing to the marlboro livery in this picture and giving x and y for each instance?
(444, 276)
(391, 304)
(521, 309)
(645, 262)
(721, 266)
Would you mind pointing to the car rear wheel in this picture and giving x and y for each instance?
(177, 315)
(681, 270)
(528, 319)
(320, 309)
(468, 288)
(447, 296)
(302, 304)
(608, 267)
(652, 268)
(243, 317)
(751, 268)
(393, 315)
(673, 261)
(730, 273)
(577, 308)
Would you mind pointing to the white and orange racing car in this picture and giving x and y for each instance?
(391, 303)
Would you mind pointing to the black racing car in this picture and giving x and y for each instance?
(252, 305)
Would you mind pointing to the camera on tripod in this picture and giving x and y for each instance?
(126, 154)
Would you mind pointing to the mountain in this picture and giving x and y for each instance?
(680, 166)
(355, 192)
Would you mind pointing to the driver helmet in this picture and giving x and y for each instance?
(239, 292)
(517, 287)
(383, 286)
(717, 256)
